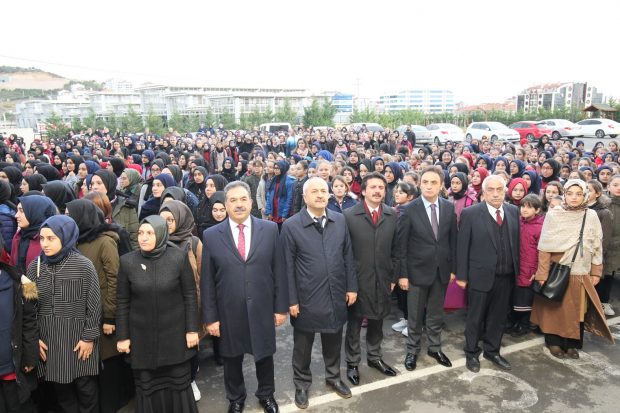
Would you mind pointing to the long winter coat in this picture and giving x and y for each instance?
(612, 258)
(285, 199)
(34, 250)
(8, 225)
(320, 269)
(103, 253)
(244, 295)
(376, 261)
(156, 307)
(125, 215)
(528, 254)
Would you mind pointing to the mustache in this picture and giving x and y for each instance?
(239, 209)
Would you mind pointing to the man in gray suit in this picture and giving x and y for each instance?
(427, 240)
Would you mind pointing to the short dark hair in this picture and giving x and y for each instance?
(433, 169)
(408, 189)
(373, 175)
(303, 164)
(532, 200)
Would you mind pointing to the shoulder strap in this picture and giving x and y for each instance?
(580, 242)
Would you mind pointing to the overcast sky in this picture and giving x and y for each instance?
(484, 51)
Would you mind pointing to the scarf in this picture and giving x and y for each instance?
(67, 230)
(161, 236)
(584, 187)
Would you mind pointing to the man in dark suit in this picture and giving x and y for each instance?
(427, 241)
(322, 283)
(486, 262)
(244, 294)
(372, 226)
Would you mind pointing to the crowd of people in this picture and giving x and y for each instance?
(123, 254)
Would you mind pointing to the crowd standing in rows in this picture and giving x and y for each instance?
(121, 253)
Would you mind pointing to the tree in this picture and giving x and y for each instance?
(76, 125)
(227, 119)
(154, 122)
(177, 122)
(56, 127)
(318, 114)
(112, 122)
(286, 113)
(193, 123)
(209, 118)
(90, 120)
(363, 116)
(133, 121)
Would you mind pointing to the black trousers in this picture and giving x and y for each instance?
(331, 344)
(486, 317)
(426, 308)
(80, 396)
(565, 343)
(235, 385)
(603, 288)
(401, 299)
(374, 337)
(9, 399)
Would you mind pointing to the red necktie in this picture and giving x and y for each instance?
(498, 217)
(375, 217)
(241, 243)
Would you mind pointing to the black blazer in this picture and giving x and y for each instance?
(420, 254)
(476, 250)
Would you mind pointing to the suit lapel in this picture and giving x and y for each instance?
(418, 207)
(484, 215)
(229, 241)
(256, 237)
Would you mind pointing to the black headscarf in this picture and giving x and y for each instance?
(88, 217)
(118, 166)
(176, 172)
(15, 179)
(60, 193)
(219, 181)
(67, 230)
(184, 222)
(5, 194)
(48, 171)
(37, 209)
(35, 182)
(555, 165)
(161, 236)
(109, 181)
(279, 179)
(174, 192)
(464, 183)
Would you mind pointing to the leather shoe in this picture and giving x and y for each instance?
(440, 357)
(382, 367)
(572, 353)
(353, 374)
(301, 398)
(473, 364)
(499, 361)
(340, 388)
(411, 361)
(556, 351)
(269, 405)
(235, 407)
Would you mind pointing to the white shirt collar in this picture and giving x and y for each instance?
(427, 203)
(247, 223)
(492, 209)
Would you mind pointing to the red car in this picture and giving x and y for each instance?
(531, 131)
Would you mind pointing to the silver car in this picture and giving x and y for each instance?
(422, 135)
(563, 128)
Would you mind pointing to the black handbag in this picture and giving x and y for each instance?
(557, 281)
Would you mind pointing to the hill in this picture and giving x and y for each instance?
(12, 78)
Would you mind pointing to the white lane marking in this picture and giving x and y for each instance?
(416, 374)
(529, 396)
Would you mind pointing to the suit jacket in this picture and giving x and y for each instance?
(476, 257)
(376, 262)
(420, 253)
(244, 295)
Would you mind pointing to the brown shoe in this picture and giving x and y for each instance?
(572, 353)
(556, 351)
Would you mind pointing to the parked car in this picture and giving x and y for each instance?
(562, 128)
(599, 128)
(443, 132)
(275, 127)
(422, 135)
(495, 131)
(371, 127)
(531, 131)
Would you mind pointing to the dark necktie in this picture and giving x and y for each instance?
(498, 217)
(375, 217)
(318, 224)
(434, 222)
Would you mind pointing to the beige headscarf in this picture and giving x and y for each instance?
(586, 192)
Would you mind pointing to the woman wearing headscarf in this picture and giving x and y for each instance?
(517, 189)
(534, 182)
(564, 323)
(118, 166)
(130, 185)
(49, 172)
(69, 316)
(60, 193)
(157, 320)
(180, 223)
(393, 174)
(517, 168)
(8, 224)
(73, 165)
(228, 169)
(160, 183)
(280, 191)
(123, 213)
(477, 178)
(14, 177)
(157, 166)
(549, 171)
(197, 182)
(33, 182)
(98, 241)
(460, 193)
(203, 213)
(32, 211)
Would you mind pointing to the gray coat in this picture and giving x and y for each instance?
(321, 270)
(376, 264)
(244, 295)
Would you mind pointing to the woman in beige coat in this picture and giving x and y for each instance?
(564, 322)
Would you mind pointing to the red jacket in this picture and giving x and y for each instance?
(528, 254)
(34, 250)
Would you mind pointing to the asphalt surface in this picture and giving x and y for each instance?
(537, 382)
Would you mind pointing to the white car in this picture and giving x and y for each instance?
(422, 135)
(563, 128)
(444, 132)
(370, 127)
(599, 128)
(495, 131)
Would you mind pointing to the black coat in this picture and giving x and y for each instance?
(321, 270)
(476, 256)
(244, 295)
(420, 253)
(376, 263)
(156, 307)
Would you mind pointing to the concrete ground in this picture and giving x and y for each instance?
(537, 383)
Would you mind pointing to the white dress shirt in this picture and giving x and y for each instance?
(492, 211)
(315, 217)
(247, 231)
(427, 208)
